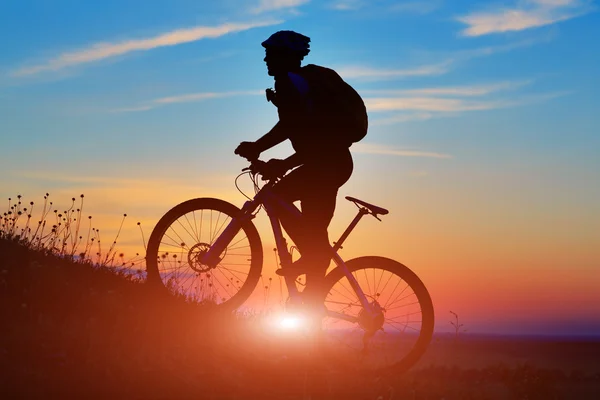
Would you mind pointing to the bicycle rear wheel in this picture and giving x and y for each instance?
(184, 234)
(398, 337)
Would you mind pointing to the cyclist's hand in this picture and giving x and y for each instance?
(248, 150)
(273, 169)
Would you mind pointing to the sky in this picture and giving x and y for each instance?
(483, 139)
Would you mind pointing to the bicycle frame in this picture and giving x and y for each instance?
(267, 198)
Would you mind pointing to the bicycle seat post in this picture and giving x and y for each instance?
(361, 212)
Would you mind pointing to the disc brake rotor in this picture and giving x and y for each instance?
(195, 255)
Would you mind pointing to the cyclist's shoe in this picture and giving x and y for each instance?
(297, 268)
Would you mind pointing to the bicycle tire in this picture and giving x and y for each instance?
(199, 205)
(420, 291)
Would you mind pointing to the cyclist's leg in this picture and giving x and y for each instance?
(318, 206)
(317, 211)
(317, 196)
(289, 189)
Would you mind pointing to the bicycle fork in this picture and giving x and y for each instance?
(211, 257)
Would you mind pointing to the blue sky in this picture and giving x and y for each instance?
(483, 114)
(103, 74)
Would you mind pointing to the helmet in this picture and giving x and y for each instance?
(290, 40)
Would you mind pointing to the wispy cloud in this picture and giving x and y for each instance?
(405, 117)
(187, 98)
(370, 73)
(448, 62)
(408, 7)
(409, 116)
(427, 103)
(101, 51)
(372, 148)
(526, 15)
(347, 5)
(437, 104)
(466, 91)
(273, 5)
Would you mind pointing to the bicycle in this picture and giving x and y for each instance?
(224, 267)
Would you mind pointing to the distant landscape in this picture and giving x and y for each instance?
(77, 330)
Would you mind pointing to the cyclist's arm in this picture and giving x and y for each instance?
(293, 161)
(291, 107)
(272, 138)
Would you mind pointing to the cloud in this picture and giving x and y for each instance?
(437, 104)
(370, 73)
(428, 103)
(187, 98)
(372, 148)
(272, 5)
(405, 117)
(101, 51)
(528, 14)
(434, 104)
(408, 7)
(451, 60)
(347, 5)
(466, 91)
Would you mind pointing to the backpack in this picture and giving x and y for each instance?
(339, 108)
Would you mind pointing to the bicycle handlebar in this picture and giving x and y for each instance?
(257, 167)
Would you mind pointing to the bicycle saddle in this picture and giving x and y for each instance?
(374, 209)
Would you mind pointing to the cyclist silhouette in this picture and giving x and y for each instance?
(321, 164)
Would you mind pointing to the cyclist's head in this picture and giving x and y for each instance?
(285, 51)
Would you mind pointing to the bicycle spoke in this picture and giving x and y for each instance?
(237, 248)
(386, 283)
(195, 236)
(231, 271)
(342, 303)
(210, 228)
(196, 225)
(201, 221)
(393, 325)
(367, 279)
(343, 295)
(378, 283)
(396, 300)
(403, 316)
(181, 241)
(394, 291)
(219, 282)
(402, 306)
(233, 244)
(219, 231)
(185, 229)
(349, 290)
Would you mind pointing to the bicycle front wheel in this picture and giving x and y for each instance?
(397, 336)
(184, 234)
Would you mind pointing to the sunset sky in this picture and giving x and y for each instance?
(484, 136)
